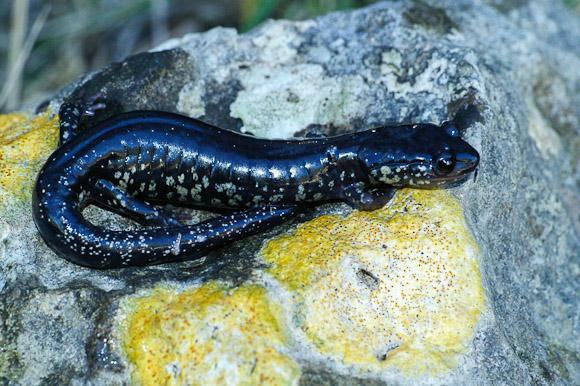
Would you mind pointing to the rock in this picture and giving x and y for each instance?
(223, 336)
(517, 63)
(401, 285)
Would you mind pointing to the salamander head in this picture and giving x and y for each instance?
(423, 156)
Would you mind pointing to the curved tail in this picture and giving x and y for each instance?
(72, 237)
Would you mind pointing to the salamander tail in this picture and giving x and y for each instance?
(72, 237)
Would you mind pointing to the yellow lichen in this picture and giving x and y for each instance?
(396, 288)
(208, 335)
(25, 143)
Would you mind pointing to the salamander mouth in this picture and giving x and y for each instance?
(428, 180)
(445, 181)
(455, 180)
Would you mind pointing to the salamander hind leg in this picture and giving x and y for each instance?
(111, 197)
(364, 198)
(247, 222)
(193, 241)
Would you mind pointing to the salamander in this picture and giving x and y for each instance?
(133, 162)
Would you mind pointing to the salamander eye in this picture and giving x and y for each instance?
(444, 164)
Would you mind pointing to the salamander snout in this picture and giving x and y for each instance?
(467, 162)
(449, 164)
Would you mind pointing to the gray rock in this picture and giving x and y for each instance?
(517, 62)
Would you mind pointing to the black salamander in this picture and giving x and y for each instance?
(134, 160)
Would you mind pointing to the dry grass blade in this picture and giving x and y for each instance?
(159, 11)
(18, 29)
(15, 67)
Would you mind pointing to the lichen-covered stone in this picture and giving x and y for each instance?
(25, 143)
(399, 61)
(208, 335)
(398, 287)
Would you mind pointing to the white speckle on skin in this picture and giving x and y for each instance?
(176, 245)
(182, 191)
(300, 195)
(293, 172)
(276, 198)
(390, 180)
(227, 187)
(195, 192)
(276, 173)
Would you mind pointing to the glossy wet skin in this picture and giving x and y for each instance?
(134, 160)
(421, 156)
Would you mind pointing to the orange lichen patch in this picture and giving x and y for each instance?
(396, 288)
(25, 143)
(210, 335)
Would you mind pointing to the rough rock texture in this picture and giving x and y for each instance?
(518, 62)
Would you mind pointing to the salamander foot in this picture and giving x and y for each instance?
(362, 198)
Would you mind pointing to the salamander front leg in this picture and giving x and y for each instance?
(70, 119)
(70, 115)
(117, 200)
(363, 198)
